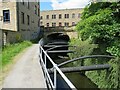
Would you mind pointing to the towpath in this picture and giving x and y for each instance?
(27, 72)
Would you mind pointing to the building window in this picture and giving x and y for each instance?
(47, 16)
(6, 15)
(73, 23)
(53, 16)
(38, 22)
(53, 24)
(66, 24)
(60, 24)
(73, 15)
(66, 15)
(28, 4)
(79, 15)
(23, 2)
(22, 18)
(36, 10)
(60, 16)
(47, 24)
(41, 17)
(28, 19)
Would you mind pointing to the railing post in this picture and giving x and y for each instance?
(45, 60)
(41, 53)
(55, 77)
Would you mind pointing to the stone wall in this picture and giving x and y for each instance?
(66, 30)
(15, 30)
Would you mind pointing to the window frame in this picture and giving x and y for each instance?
(66, 15)
(47, 16)
(73, 23)
(35, 9)
(66, 24)
(47, 24)
(60, 24)
(54, 16)
(6, 19)
(22, 17)
(28, 19)
(53, 24)
(73, 15)
(60, 16)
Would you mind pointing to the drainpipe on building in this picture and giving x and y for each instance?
(17, 9)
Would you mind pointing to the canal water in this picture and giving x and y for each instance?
(79, 80)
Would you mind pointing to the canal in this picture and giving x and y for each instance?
(78, 79)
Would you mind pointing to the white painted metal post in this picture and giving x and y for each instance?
(45, 59)
(41, 53)
(45, 65)
(55, 77)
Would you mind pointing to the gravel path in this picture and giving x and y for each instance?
(27, 72)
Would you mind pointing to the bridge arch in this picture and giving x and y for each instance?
(58, 36)
(68, 31)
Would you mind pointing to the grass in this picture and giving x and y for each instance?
(10, 51)
(8, 57)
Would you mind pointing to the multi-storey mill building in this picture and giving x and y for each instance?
(19, 20)
(61, 18)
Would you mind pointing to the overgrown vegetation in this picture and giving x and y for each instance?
(101, 25)
(9, 51)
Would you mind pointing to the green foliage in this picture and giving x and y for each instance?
(12, 50)
(81, 48)
(90, 10)
(101, 23)
(99, 26)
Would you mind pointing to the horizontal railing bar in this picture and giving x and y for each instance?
(58, 43)
(61, 51)
(57, 46)
(85, 57)
(83, 68)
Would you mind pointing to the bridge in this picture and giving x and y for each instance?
(65, 30)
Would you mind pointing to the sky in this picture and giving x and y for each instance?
(62, 4)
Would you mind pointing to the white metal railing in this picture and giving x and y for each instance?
(52, 85)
